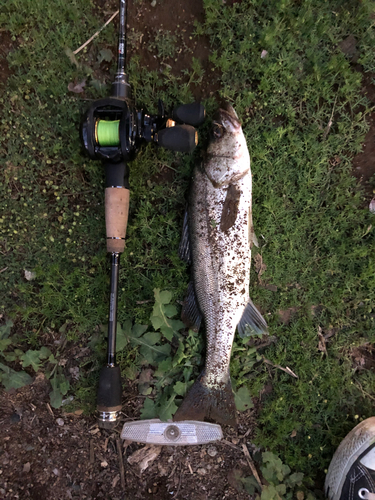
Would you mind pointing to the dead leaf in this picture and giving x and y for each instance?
(77, 88)
(330, 333)
(260, 267)
(285, 315)
(74, 371)
(144, 456)
(294, 433)
(145, 376)
(349, 47)
(322, 341)
(30, 275)
(116, 479)
(273, 288)
(162, 470)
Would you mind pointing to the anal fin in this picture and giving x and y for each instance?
(190, 314)
(252, 322)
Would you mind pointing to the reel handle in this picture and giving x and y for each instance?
(182, 138)
(191, 114)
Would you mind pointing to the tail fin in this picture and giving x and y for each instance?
(213, 403)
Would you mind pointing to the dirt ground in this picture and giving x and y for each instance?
(49, 454)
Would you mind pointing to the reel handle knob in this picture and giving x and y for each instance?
(191, 114)
(181, 138)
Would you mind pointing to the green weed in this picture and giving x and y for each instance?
(304, 118)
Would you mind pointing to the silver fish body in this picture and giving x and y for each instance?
(218, 244)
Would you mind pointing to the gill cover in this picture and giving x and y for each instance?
(229, 158)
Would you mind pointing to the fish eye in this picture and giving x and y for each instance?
(217, 130)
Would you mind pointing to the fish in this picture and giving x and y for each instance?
(217, 237)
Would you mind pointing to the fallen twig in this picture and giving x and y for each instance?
(286, 369)
(322, 342)
(228, 443)
(121, 462)
(92, 453)
(96, 34)
(50, 410)
(179, 484)
(252, 466)
(328, 127)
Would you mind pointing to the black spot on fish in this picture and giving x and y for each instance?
(230, 208)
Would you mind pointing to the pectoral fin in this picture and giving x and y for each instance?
(252, 322)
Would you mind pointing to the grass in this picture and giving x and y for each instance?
(316, 237)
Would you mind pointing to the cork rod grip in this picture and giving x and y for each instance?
(116, 217)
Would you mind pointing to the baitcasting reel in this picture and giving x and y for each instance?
(113, 130)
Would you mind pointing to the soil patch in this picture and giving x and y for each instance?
(167, 28)
(49, 454)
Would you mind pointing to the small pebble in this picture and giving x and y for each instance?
(153, 3)
(104, 464)
(60, 421)
(27, 467)
(202, 471)
(56, 472)
(212, 451)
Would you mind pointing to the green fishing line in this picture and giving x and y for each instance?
(107, 132)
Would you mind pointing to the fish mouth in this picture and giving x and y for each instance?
(225, 113)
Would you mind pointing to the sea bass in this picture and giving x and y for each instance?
(217, 240)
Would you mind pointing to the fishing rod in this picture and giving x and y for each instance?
(112, 131)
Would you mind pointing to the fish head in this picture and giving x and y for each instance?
(228, 155)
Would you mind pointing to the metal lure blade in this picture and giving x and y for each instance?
(188, 432)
